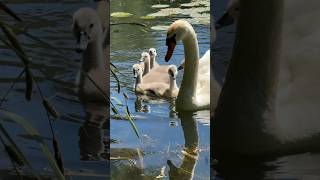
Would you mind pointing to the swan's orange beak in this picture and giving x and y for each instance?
(171, 43)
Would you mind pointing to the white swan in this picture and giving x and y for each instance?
(88, 32)
(194, 93)
(271, 98)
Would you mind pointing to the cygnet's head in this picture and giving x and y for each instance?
(152, 52)
(137, 70)
(173, 72)
(86, 27)
(145, 57)
(177, 31)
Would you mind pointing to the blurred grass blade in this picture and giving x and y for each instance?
(117, 101)
(57, 155)
(14, 42)
(50, 108)
(29, 83)
(117, 79)
(97, 86)
(132, 124)
(9, 11)
(125, 96)
(14, 155)
(16, 148)
(30, 130)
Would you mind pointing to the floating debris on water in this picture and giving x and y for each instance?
(160, 6)
(147, 17)
(121, 14)
(160, 28)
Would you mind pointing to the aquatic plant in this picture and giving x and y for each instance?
(9, 38)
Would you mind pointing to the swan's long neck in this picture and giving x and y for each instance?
(102, 9)
(173, 84)
(246, 104)
(190, 76)
(152, 62)
(93, 56)
(138, 80)
(146, 66)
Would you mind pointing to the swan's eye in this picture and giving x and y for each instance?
(91, 26)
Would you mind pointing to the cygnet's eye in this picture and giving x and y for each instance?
(91, 26)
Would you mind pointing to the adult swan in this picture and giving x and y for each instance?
(194, 93)
(252, 117)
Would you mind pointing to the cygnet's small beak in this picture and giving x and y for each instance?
(83, 42)
(225, 20)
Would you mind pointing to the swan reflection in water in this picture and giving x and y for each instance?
(190, 132)
(176, 168)
(91, 30)
(93, 134)
(140, 106)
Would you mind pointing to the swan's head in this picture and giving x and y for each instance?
(152, 52)
(86, 27)
(173, 72)
(177, 31)
(145, 57)
(230, 15)
(137, 70)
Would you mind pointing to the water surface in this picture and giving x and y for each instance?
(165, 134)
(81, 140)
